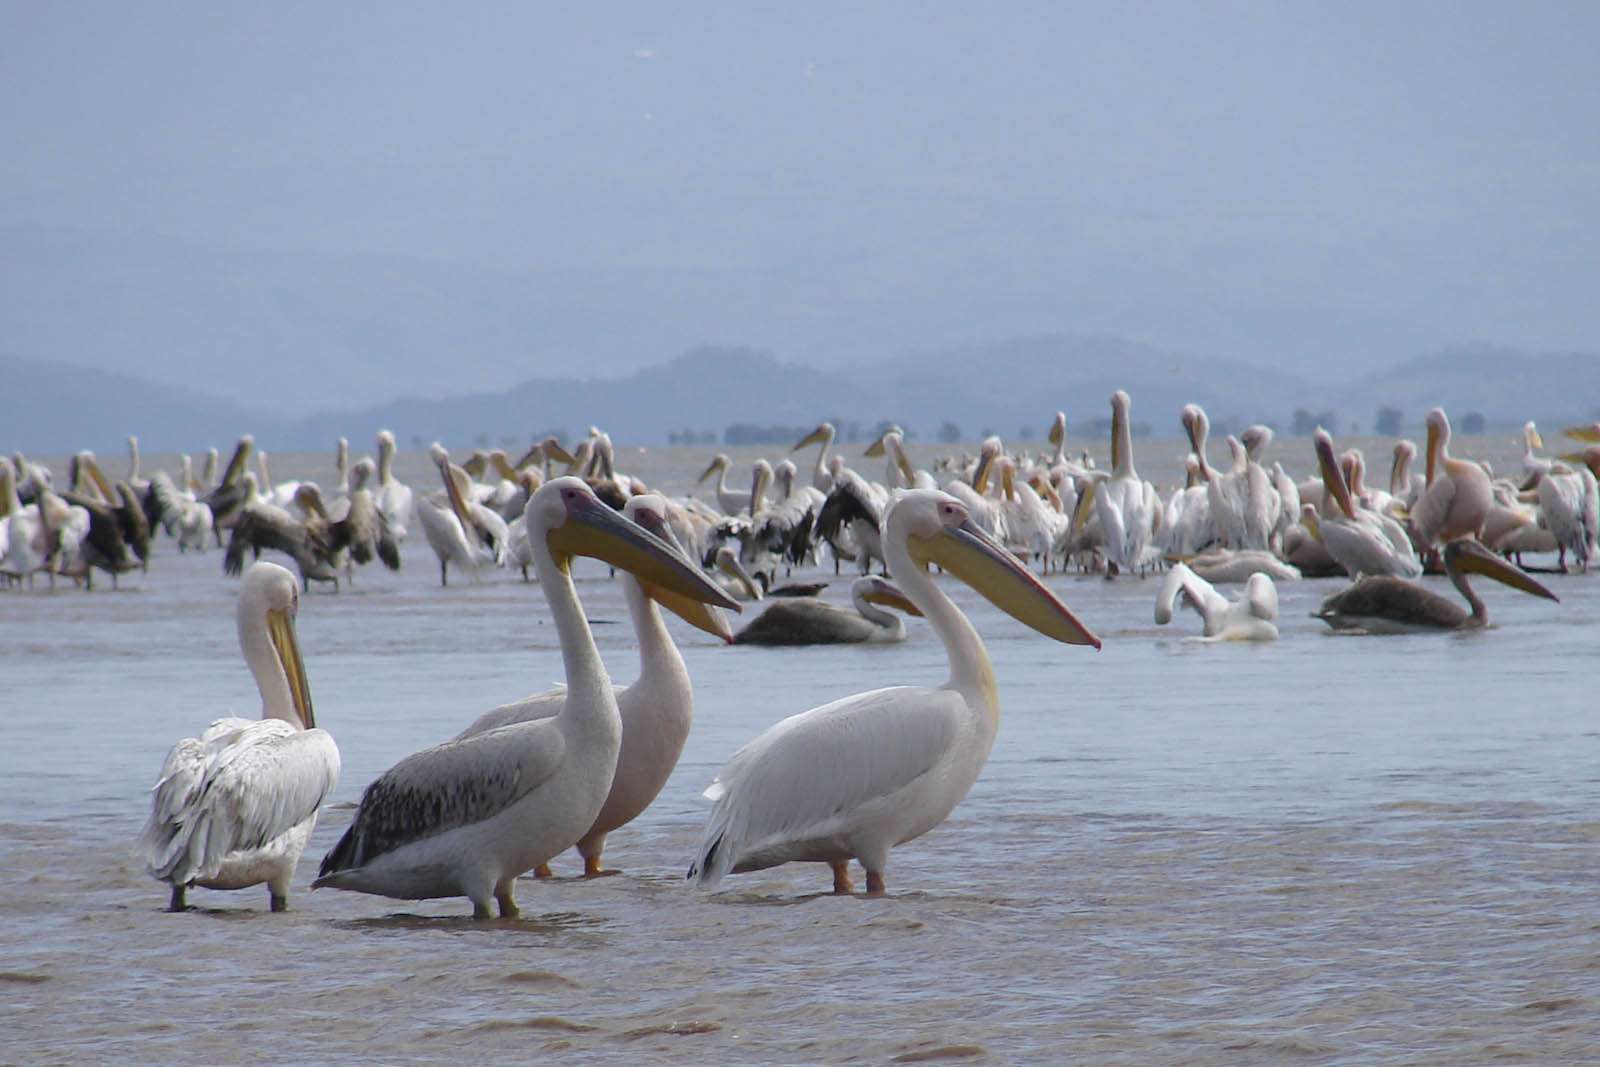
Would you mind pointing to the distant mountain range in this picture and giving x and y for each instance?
(1007, 387)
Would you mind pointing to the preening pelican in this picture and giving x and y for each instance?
(467, 817)
(1384, 605)
(1361, 541)
(854, 778)
(657, 709)
(1249, 618)
(803, 621)
(235, 806)
(459, 530)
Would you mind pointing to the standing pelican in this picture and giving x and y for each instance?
(803, 621)
(731, 501)
(821, 479)
(1361, 541)
(1249, 618)
(1458, 495)
(458, 529)
(657, 709)
(465, 818)
(854, 778)
(235, 806)
(393, 496)
(1126, 505)
(1380, 605)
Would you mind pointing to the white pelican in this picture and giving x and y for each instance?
(854, 778)
(1221, 566)
(851, 517)
(733, 578)
(467, 817)
(1249, 618)
(1362, 542)
(1031, 527)
(804, 621)
(459, 530)
(821, 478)
(235, 806)
(1457, 498)
(657, 709)
(117, 529)
(1570, 505)
(973, 492)
(184, 518)
(731, 501)
(1126, 505)
(1381, 605)
(392, 495)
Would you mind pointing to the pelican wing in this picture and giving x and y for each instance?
(1433, 506)
(810, 775)
(264, 527)
(448, 786)
(236, 787)
(1181, 582)
(539, 706)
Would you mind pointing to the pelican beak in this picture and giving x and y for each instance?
(1058, 432)
(1432, 454)
(980, 477)
(729, 564)
(1189, 429)
(502, 468)
(1312, 523)
(1080, 512)
(592, 529)
(99, 477)
(1584, 433)
(1008, 483)
(700, 616)
(876, 448)
(905, 467)
(1332, 477)
(452, 489)
(975, 558)
(1535, 439)
(890, 597)
(280, 629)
(711, 468)
(1474, 557)
(553, 449)
(814, 437)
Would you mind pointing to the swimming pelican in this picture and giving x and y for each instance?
(1126, 505)
(1382, 605)
(459, 530)
(235, 806)
(854, 778)
(657, 709)
(1457, 498)
(803, 621)
(1249, 618)
(467, 817)
(731, 501)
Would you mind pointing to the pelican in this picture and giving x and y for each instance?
(803, 621)
(850, 518)
(1126, 505)
(467, 817)
(657, 709)
(1225, 566)
(731, 501)
(235, 806)
(733, 578)
(1457, 498)
(117, 522)
(392, 495)
(312, 542)
(1363, 542)
(229, 496)
(458, 530)
(1570, 504)
(821, 479)
(854, 778)
(1248, 618)
(1384, 605)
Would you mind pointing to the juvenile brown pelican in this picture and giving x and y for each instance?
(234, 807)
(1383, 604)
(853, 778)
(467, 817)
(803, 621)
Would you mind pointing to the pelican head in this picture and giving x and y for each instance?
(878, 447)
(727, 561)
(576, 523)
(649, 510)
(1400, 472)
(1196, 425)
(361, 473)
(1438, 439)
(760, 478)
(1469, 555)
(1332, 477)
(269, 599)
(719, 462)
(937, 528)
(876, 590)
(1256, 439)
(1530, 436)
(1058, 429)
(988, 452)
(823, 434)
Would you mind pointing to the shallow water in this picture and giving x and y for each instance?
(1325, 849)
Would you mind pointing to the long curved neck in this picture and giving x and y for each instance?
(659, 660)
(1122, 444)
(133, 459)
(271, 681)
(820, 473)
(970, 670)
(883, 620)
(385, 463)
(586, 674)
(1480, 614)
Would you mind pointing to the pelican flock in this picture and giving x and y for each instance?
(847, 781)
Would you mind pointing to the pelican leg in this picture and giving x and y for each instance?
(842, 886)
(481, 912)
(875, 886)
(278, 902)
(444, 579)
(543, 871)
(593, 868)
(507, 902)
(176, 903)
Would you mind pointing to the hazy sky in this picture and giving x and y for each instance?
(1269, 180)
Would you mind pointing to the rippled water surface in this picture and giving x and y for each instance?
(1328, 849)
